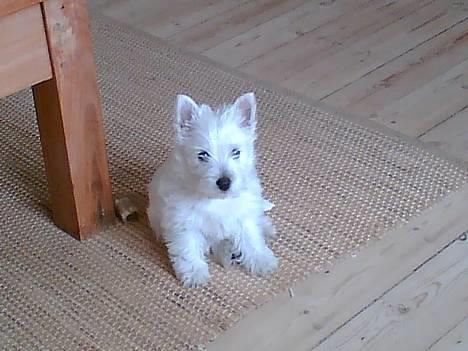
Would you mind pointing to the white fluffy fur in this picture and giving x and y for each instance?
(188, 209)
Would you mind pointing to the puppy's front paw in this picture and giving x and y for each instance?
(197, 277)
(261, 263)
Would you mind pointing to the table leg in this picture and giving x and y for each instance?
(70, 123)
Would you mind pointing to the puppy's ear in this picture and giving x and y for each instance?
(246, 106)
(186, 111)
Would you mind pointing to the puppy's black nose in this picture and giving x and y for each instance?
(223, 183)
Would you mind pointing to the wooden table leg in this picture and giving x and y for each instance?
(70, 123)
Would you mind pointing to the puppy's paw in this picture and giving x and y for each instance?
(237, 258)
(230, 259)
(226, 255)
(261, 263)
(197, 277)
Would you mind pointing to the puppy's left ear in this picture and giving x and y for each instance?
(246, 106)
(185, 112)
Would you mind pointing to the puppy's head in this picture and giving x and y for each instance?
(216, 147)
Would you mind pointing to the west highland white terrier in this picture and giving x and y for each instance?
(207, 196)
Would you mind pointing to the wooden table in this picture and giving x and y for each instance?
(46, 45)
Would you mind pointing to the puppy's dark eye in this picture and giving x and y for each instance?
(203, 156)
(235, 153)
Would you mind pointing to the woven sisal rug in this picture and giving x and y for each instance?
(336, 185)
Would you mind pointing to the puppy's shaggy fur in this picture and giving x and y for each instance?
(207, 196)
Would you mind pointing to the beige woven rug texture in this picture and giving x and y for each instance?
(336, 185)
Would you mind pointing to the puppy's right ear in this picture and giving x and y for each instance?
(186, 111)
(246, 107)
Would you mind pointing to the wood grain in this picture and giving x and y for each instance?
(218, 29)
(133, 12)
(70, 123)
(326, 77)
(455, 340)
(327, 301)
(416, 313)
(431, 104)
(407, 73)
(451, 136)
(274, 33)
(154, 16)
(314, 46)
(200, 12)
(8, 7)
(24, 57)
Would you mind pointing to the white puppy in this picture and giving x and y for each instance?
(207, 196)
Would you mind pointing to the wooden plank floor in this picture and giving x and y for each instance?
(402, 63)
(405, 317)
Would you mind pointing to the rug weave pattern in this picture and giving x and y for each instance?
(336, 185)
